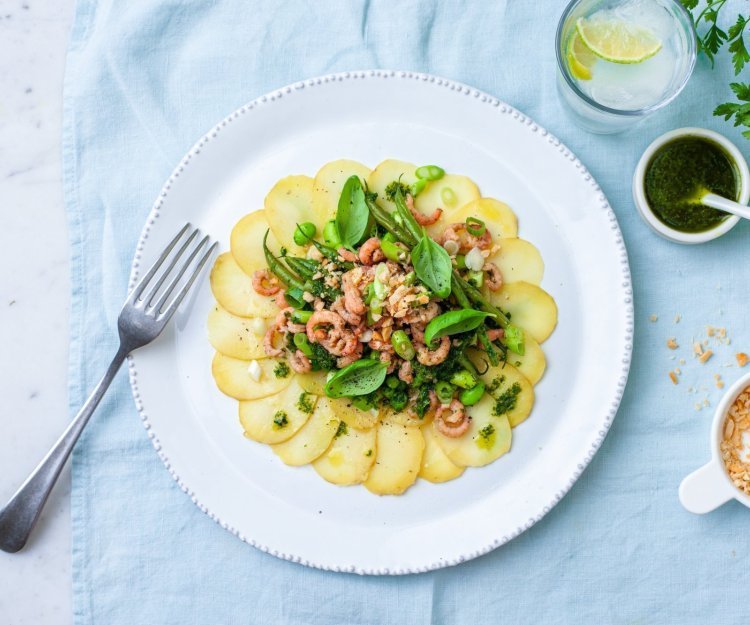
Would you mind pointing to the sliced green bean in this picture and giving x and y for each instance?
(402, 345)
(444, 391)
(303, 344)
(301, 316)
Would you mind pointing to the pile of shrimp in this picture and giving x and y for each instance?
(341, 326)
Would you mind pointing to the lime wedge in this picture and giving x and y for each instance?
(617, 41)
(580, 59)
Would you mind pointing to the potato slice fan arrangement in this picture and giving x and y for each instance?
(383, 450)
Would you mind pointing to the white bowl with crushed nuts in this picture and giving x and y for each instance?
(727, 475)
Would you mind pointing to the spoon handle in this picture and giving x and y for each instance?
(722, 203)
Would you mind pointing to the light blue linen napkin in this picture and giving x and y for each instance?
(144, 80)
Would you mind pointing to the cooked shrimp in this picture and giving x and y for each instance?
(466, 241)
(452, 420)
(265, 283)
(324, 318)
(284, 323)
(345, 254)
(271, 350)
(348, 359)
(370, 252)
(429, 357)
(340, 309)
(387, 357)
(280, 299)
(405, 372)
(352, 296)
(494, 277)
(422, 219)
(299, 362)
(495, 333)
(422, 315)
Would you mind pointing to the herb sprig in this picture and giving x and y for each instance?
(711, 41)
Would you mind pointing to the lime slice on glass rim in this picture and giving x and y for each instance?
(617, 41)
(580, 59)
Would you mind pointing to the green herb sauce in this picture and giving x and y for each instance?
(679, 173)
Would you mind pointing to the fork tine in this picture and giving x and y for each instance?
(150, 293)
(170, 310)
(143, 282)
(176, 279)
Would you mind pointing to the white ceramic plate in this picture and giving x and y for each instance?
(369, 116)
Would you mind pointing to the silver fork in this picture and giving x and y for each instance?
(144, 315)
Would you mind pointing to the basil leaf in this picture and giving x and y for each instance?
(454, 322)
(353, 216)
(515, 340)
(359, 378)
(432, 264)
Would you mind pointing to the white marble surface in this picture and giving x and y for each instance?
(35, 584)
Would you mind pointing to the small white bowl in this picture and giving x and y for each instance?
(710, 486)
(639, 193)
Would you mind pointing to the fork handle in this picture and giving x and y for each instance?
(20, 514)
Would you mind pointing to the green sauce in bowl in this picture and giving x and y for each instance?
(683, 170)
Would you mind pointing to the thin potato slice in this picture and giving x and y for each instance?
(436, 466)
(246, 241)
(405, 417)
(464, 191)
(349, 458)
(533, 362)
(313, 382)
(348, 412)
(500, 220)
(328, 183)
(385, 173)
(278, 417)
(519, 261)
(513, 394)
(238, 337)
(312, 439)
(289, 203)
(233, 289)
(530, 307)
(487, 439)
(233, 377)
(398, 459)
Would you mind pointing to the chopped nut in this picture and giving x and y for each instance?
(677, 318)
(710, 330)
(735, 446)
(653, 318)
(672, 343)
(719, 382)
(673, 377)
(704, 357)
(742, 358)
(697, 348)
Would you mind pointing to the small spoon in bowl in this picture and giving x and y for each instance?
(718, 202)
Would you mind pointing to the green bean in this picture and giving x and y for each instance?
(388, 223)
(463, 378)
(294, 297)
(402, 345)
(461, 261)
(417, 187)
(476, 278)
(369, 293)
(410, 223)
(429, 172)
(444, 391)
(331, 234)
(476, 296)
(303, 344)
(391, 249)
(278, 268)
(304, 267)
(304, 232)
(470, 396)
(459, 294)
(301, 316)
(487, 345)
